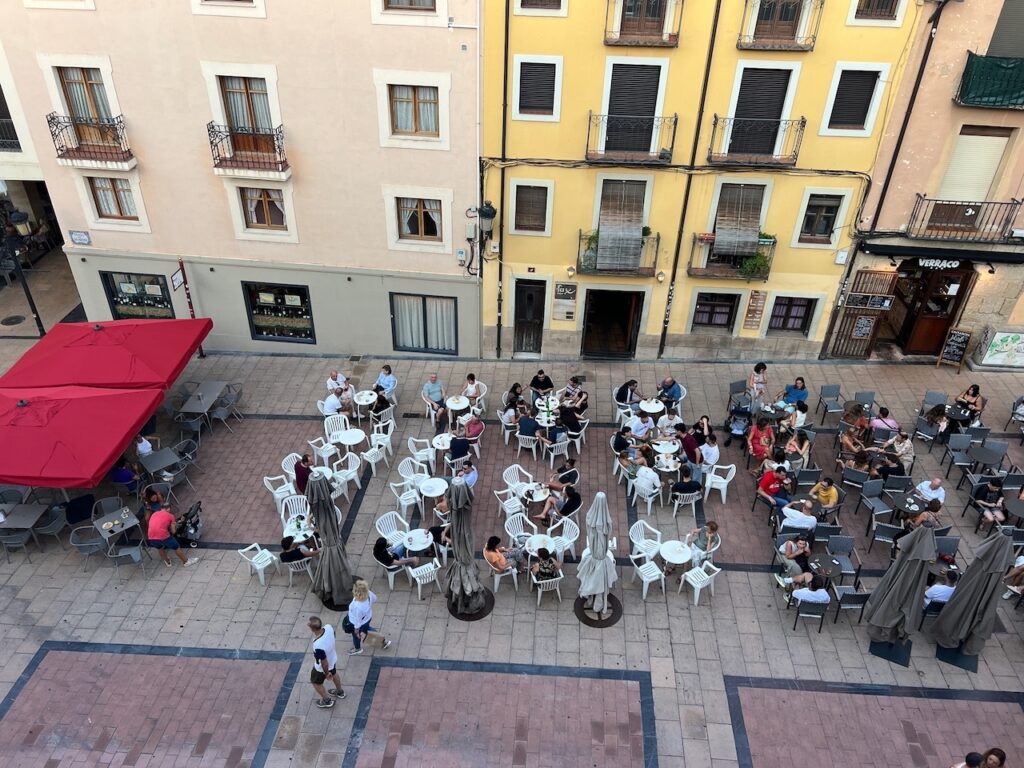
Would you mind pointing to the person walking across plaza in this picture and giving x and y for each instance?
(360, 614)
(325, 663)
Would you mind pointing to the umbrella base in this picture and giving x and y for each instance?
(583, 608)
(333, 606)
(957, 658)
(483, 612)
(897, 653)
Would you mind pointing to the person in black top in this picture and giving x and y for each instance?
(292, 552)
(567, 474)
(541, 385)
(381, 403)
(628, 394)
(623, 440)
(390, 556)
(569, 419)
(560, 506)
(459, 447)
(441, 535)
(686, 485)
(701, 429)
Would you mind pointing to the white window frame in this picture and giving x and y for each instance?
(255, 9)
(615, 22)
(805, 19)
(442, 81)
(556, 113)
(62, 5)
(846, 194)
(882, 68)
(213, 70)
(391, 193)
(711, 330)
(654, 61)
(243, 232)
(648, 192)
(820, 299)
(50, 63)
(92, 216)
(853, 21)
(436, 18)
(794, 68)
(547, 184)
(518, 10)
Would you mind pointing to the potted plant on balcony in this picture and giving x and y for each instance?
(755, 266)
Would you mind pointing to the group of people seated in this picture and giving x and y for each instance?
(545, 566)
(340, 393)
(669, 392)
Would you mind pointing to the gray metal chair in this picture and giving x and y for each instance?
(854, 477)
(737, 396)
(134, 552)
(221, 413)
(823, 533)
(925, 431)
(865, 398)
(848, 598)
(106, 505)
(15, 540)
(163, 488)
(897, 484)
(956, 450)
(934, 608)
(842, 548)
(186, 388)
(807, 477)
(188, 452)
(931, 399)
(883, 532)
(947, 546)
(190, 425)
(87, 540)
(806, 610)
(780, 540)
(831, 399)
(231, 398)
(53, 525)
(11, 496)
(871, 498)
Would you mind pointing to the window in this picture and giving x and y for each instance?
(419, 219)
(263, 208)
(531, 208)
(541, 5)
(409, 5)
(410, 13)
(537, 88)
(715, 310)
(853, 99)
(246, 103)
(876, 9)
(791, 313)
(413, 109)
(424, 323)
(254, 9)
(1008, 36)
(620, 245)
(113, 198)
(84, 93)
(279, 312)
(135, 297)
(738, 220)
(820, 218)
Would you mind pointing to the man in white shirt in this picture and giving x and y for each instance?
(332, 403)
(799, 514)
(931, 489)
(325, 662)
(814, 592)
(334, 381)
(648, 476)
(940, 593)
(643, 426)
(710, 453)
(667, 422)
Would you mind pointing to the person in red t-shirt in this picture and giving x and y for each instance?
(160, 533)
(774, 487)
(303, 469)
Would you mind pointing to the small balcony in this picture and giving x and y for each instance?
(742, 141)
(98, 143)
(992, 81)
(732, 261)
(626, 252)
(8, 136)
(256, 153)
(780, 25)
(962, 221)
(631, 139)
(644, 23)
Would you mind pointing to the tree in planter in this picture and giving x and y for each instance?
(755, 266)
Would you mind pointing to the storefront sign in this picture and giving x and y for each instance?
(954, 349)
(177, 279)
(939, 263)
(565, 301)
(755, 310)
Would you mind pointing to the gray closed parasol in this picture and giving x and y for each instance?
(596, 570)
(466, 596)
(332, 579)
(970, 615)
(898, 600)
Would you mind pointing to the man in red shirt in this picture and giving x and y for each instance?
(303, 469)
(160, 533)
(773, 487)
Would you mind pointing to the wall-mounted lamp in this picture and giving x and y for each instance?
(486, 213)
(570, 270)
(991, 269)
(892, 262)
(661, 276)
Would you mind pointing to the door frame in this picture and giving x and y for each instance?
(645, 309)
(618, 7)
(545, 321)
(653, 61)
(801, 27)
(787, 104)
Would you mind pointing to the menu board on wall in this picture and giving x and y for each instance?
(565, 301)
(755, 310)
(863, 327)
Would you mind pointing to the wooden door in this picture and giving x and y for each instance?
(642, 18)
(529, 317)
(777, 20)
(611, 323)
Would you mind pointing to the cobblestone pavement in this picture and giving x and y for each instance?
(699, 678)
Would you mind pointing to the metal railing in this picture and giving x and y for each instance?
(631, 138)
(649, 23)
(705, 261)
(92, 138)
(742, 141)
(780, 25)
(618, 254)
(260, 149)
(964, 221)
(992, 81)
(8, 136)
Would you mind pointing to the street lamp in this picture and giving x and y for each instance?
(14, 238)
(486, 212)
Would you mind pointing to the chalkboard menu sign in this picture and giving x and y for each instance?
(954, 348)
(863, 326)
(858, 299)
(869, 301)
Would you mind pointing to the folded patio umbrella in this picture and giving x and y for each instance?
(970, 615)
(332, 579)
(466, 595)
(897, 602)
(596, 570)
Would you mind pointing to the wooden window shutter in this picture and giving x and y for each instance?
(531, 208)
(738, 221)
(762, 93)
(620, 224)
(537, 88)
(853, 98)
(972, 167)
(1008, 36)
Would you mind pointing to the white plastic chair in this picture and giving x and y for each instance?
(294, 506)
(547, 585)
(392, 526)
(391, 571)
(617, 469)
(430, 412)
(346, 470)
(648, 571)
(525, 441)
(519, 528)
(516, 478)
(507, 427)
(259, 559)
(643, 543)
(508, 503)
(561, 448)
(413, 471)
(422, 451)
(686, 499)
(700, 556)
(578, 439)
(391, 394)
(701, 578)
(288, 465)
(425, 574)
(643, 492)
(322, 407)
(301, 566)
(567, 536)
(481, 401)
(374, 456)
(407, 496)
(334, 425)
(714, 480)
(388, 414)
(323, 450)
(474, 442)
(498, 575)
(280, 488)
(381, 435)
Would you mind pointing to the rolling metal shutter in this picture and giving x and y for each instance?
(758, 111)
(1008, 36)
(536, 88)
(738, 220)
(853, 99)
(972, 167)
(632, 104)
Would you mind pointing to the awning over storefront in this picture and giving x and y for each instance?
(999, 253)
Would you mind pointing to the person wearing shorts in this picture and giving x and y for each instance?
(160, 533)
(325, 662)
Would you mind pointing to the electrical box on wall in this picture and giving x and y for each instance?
(495, 247)
(841, 257)
(460, 254)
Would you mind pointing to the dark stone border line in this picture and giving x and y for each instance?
(446, 665)
(733, 684)
(273, 721)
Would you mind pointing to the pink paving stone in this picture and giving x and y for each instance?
(141, 710)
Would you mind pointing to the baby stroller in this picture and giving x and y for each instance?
(190, 526)
(737, 424)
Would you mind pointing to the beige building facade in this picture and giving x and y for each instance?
(311, 165)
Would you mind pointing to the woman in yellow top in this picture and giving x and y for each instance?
(826, 493)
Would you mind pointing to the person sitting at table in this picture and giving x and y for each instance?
(931, 489)
(559, 505)
(334, 381)
(502, 558)
(701, 429)
(643, 426)
(580, 403)
(940, 593)
(799, 444)
(929, 518)
(667, 422)
(572, 390)
(710, 453)
(458, 448)
(152, 499)
(333, 403)
(510, 414)
(629, 466)
(826, 494)
(645, 455)
(795, 555)
(704, 538)
(971, 400)
(623, 440)
(566, 474)
(144, 445)
(125, 474)
(774, 487)
(570, 420)
(546, 567)
(296, 551)
(468, 474)
(434, 395)
(302, 468)
(473, 428)
(628, 394)
(813, 592)
(902, 447)
(989, 499)
(669, 392)
(936, 417)
(386, 380)
(884, 421)
(442, 536)
(392, 556)
(760, 440)
(648, 476)
(528, 425)
(794, 420)
(798, 515)
(686, 484)
(794, 393)
(515, 398)
(381, 404)
(541, 385)
(849, 444)
(859, 461)
(472, 388)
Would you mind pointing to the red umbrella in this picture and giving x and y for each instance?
(68, 437)
(129, 354)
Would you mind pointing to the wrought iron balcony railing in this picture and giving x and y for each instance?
(753, 264)
(650, 23)
(8, 136)
(618, 253)
(780, 25)
(742, 141)
(992, 81)
(964, 221)
(94, 138)
(631, 138)
(254, 149)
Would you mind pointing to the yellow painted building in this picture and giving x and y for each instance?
(676, 178)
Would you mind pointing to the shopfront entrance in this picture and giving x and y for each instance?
(929, 296)
(611, 323)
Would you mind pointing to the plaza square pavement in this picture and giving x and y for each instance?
(223, 662)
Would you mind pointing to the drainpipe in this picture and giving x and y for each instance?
(501, 198)
(689, 179)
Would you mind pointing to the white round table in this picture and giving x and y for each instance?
(667, 463)
(351, 437)
(417, 540)
(665, 447)
(434, 487)
(545, 419)
(322, 472)
(300, 530)
(457, 403)
(365, 397)
(539, 541)
(676, 553)
(548, 403)
(537, 492)
(442, 441)
(650, 405)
